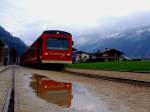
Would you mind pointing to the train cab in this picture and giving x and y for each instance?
(53, 47)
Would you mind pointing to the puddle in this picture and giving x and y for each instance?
(67, 95)
(84, 101)
(59, 93)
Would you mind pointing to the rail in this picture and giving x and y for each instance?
(115, 79)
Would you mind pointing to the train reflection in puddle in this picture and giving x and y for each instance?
(68, 95)
(59, 93)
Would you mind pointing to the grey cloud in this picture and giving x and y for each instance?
(114, 25)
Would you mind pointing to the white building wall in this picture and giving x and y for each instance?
(84, 57)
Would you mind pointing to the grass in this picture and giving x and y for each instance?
(133, 66)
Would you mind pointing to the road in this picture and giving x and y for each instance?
(88, 94)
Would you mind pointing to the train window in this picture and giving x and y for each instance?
(57, 43)
(39, 40)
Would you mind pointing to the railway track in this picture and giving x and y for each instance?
(7, 89)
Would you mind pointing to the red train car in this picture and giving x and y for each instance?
(52, 47)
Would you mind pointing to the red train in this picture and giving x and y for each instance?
(53, 47)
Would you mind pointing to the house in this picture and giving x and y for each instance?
(7, 55)
(1, 52)
(80, 56)
(74, 49)
(4, 53)
(92, 56)
(108, 55)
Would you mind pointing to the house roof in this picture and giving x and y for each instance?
(74, 49)
(110, 50)
(81, 52)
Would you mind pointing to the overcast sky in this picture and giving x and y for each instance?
(28, 18)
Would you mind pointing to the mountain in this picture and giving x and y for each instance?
(12, 42)
(134, 43)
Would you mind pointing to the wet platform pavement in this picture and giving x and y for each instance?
(52, 91)
(5, 85)
(73, 98)
(26, 98)
(66, 95)
(55, 91)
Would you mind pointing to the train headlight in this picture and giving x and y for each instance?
(45, 86)
(68, 54)
(46, 53)
(68, 85)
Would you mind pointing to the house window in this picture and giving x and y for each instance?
(105, 54)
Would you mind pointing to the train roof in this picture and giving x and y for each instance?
(56, 32)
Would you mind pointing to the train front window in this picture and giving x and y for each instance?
(57, 43)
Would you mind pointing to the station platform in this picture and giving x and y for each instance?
(25, 98)
(5, 85)
(111, 92)
(143, 77)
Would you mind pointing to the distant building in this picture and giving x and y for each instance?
(108, 55)
(126, 58)
(7, 55)
(1, 52)
(74, 49)
(4, 53)
(92, 56)
(99, 56)
(80, 56)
